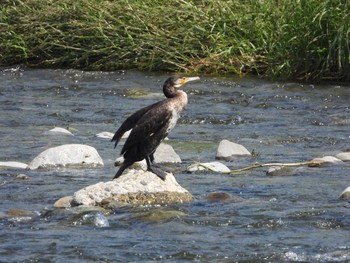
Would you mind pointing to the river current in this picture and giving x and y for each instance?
(291, 218)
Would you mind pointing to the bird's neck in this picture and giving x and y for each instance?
(179, 101)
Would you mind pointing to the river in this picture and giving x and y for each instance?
(295, 218)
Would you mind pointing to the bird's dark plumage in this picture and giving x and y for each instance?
(150, 125)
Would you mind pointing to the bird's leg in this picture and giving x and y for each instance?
(120, 171)
(151, 157)
(150, 167)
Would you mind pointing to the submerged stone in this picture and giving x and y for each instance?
(346, 193)
(58, 131)
(69, 155)
(133, 187)
(229, 150)
(283, 171)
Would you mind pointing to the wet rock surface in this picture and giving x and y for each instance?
(133, 187)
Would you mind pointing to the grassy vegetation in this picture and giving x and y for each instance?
(305, 39)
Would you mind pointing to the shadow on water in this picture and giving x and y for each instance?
(265, 218)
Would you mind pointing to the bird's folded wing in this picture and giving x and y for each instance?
(152, 124)
(130, 122)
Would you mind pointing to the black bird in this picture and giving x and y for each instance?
(150, 125)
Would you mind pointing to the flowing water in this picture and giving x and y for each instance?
(267, 219)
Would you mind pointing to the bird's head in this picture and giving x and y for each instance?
(174, 82)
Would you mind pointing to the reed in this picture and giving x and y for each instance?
(305, 39)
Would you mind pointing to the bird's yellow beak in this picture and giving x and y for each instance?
(184, 80)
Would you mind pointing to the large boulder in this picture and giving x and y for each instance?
(69, 155)
(229, 150)
(133, 187)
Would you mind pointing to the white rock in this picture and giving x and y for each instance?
(131, 182)
(58, 130)
(344, 156)
(165, 153)
(324, 161)
(105, 135)
(14, 165)
(214, 166)
(346, 193)
(72, 155)
(228, 150)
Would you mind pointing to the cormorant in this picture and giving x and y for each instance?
(150, 125)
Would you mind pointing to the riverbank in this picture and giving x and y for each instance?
(306, 40)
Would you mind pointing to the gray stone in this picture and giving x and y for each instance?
(229, 150)
(69, 155)
(13, 165)
(346, 193)
(165, 153)
(133, 187)
(325, 161)
(58, 131)
(105, 135)
(213, 166)
(344, 156)
(283, 171)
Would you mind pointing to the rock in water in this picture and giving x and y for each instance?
(346, 193)
(325, 161)
(228, 150)
(105, 135)
(58, 131)
(213, 166)
(13, 165)
(69, 155)
(344, 156)
(133, 187)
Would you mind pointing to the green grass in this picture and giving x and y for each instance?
(305, 39)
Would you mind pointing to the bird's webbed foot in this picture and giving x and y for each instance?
(155, 169)
(162, 167)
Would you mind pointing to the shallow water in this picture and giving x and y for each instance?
(284, 219)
